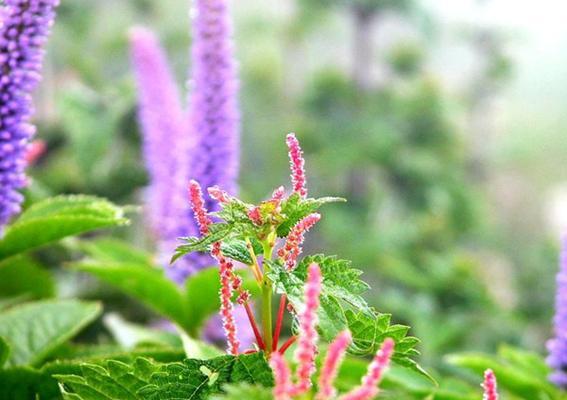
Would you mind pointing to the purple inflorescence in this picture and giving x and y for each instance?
(24, 28)
(214, 113)
(557, 346)
(177, 148)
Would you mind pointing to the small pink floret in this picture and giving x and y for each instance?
(490, 386)
(308, 337)
(198, 206)
(334, 357)
(369, 386)
(282, 377)
(291, 250)
(219, 195)
(297, 164)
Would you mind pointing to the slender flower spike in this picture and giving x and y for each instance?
(369, 387)
(557, 358)
(307, 342)
(297, 164)
(282, 377)
(218, 194)
(24, 28)
(329, 372)
(198, 206)
(214, 114)
(166, 152)
(226, 309)
(292, 247)
(489, 385)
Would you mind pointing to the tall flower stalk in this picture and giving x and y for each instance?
(24, 29)
(557, 358)
(201, 143)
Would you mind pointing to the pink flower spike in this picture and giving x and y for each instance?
(226, 308)
(297, 164)
(292, 248)
(218, 194)
(489, 385)
(278, 195)
(331, 365)
(307, 339)
(34, 151)
(369, 387)
(282, 377)
(198, 206)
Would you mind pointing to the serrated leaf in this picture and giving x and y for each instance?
(192, 244)
(34, 330)
(190, 379)
(295, 209)
(54, 219)
(341, 290)
(146, 283)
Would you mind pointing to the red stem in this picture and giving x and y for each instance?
(254, 326)
(279, 322)
(288, 343)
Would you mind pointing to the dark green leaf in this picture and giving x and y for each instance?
(4, 351)
(34, 330)
(26, 383)
(56, 218)
(191, 379)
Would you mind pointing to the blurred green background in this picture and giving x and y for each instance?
(439, 121)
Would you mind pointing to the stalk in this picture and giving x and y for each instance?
(268, 245)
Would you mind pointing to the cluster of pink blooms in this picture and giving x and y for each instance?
(306, 351)
(290, 252)
(297, 164)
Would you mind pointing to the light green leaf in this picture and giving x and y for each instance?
(54, 219)
(38, 282)
(202, 298)
(107, 249)
(245, 391)
(34, 330)
(146, 283)
(294, 209)
(130, 335)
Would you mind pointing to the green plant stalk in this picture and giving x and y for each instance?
(268, 246)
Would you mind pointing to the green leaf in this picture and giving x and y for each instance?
(38, 282)
(245, 391)
(217, 232)
(202, 298)
(54, 219)
(511, 372)
(34, 330)
(191, 379)
(4, 351)
(27, 383)
(341, 290)
(130, 335)
(342, 306)
(144, 282)
(295, 209)
(111, 250)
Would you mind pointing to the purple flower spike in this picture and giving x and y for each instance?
(557, 346)
(214, 111)
(24, 28)
(167, 148)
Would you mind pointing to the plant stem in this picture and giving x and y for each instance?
(267, 294)
(287, 344)
(252, 320)
(279, 322)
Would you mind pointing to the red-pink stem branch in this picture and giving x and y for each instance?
(254, 326)
(279, 322)
(287, 344)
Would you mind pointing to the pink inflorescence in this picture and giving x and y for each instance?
(489, 385)
(329, 372)
(307, 342)
(282, 377)
(369, 387)
(292, 247)
(198, 206)
(297, 165)
(219, 195)
(226, 309)
(255, 215)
